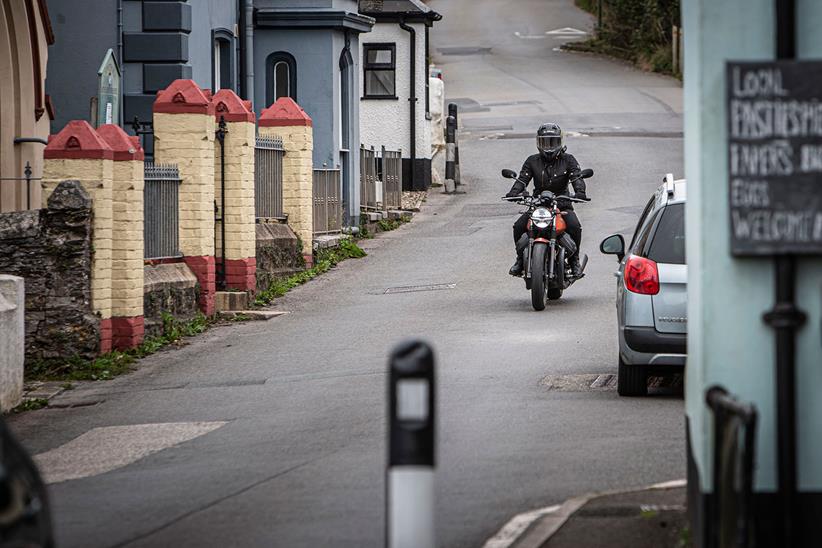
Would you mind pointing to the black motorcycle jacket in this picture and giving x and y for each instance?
(549, 176)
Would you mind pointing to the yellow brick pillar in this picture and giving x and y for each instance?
(286, 119)
(240, 265)
(127, 241)
(184, 135)
(79, 153)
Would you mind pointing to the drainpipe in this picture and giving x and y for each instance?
(121, 65)
(413, 99)
(248, 57)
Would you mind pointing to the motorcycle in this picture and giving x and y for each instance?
(545, 245)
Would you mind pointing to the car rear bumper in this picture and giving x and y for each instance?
(650, 341)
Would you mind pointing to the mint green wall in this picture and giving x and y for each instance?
(728, 344)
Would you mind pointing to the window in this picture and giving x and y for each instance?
(281, 77)
(668, 245)
(223, 61)
(380, 66)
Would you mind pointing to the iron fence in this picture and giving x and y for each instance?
(161, 202)
(391, 175)
(268, 178)
(370, 197)
(380, 179)
(327, 202)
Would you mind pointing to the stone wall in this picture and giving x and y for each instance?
(170, 288)
(279, 253)
(51, 249)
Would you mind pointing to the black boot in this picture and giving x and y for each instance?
(516, 270)
(576, 268)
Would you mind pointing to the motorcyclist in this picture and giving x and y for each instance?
(552, 168)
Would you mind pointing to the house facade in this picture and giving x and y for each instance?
(309, 51)
(115, 56)
(395, 105)
(25, 111)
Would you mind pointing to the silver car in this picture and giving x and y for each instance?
(651, 291)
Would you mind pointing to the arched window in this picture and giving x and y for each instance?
(222, 61)
(281, 76)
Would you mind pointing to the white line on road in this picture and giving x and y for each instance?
(530, 36)
(107, 448)
(512, 530)
(568, 31)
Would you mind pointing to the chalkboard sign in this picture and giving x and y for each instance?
(775, 157)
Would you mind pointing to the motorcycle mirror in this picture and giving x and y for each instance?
(509, 173)
(586, 173)
(613, 245)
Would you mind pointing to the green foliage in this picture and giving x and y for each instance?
(31, 405)
(636, 30)
(387, 225)
(116, 363)
(325, 260)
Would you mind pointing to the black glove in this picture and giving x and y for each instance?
(516, 190)
(582, 196)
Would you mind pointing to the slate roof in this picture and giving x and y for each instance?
(394, 7)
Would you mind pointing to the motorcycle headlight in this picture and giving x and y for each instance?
(541, 217)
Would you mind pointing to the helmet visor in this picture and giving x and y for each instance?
(549, 143)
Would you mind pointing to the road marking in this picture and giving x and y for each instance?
(530, 36)
(670, 484)
(567, 31)
(512, 530)
(108, 448)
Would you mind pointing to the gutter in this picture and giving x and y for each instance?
(248, 53)
(412, 99)
(120, 64)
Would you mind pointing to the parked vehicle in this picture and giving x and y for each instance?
(547, 272)
(25, 518)
(651, 302)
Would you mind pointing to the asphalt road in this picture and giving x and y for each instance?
(281, 434)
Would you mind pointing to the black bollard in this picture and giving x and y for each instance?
(411, 445)
(450, 152)
(453, 110)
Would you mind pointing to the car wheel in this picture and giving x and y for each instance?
(632, 380)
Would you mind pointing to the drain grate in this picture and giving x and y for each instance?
(417, 288)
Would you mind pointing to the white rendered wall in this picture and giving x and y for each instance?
(387, 122)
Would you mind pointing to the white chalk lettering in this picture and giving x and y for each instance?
(778, 226)
(774, 158)
(765, 82)
(811, 159)
(750, 193)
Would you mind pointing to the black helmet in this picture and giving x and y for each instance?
(549, 140)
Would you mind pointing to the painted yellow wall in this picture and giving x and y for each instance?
(239, 184)
(127, 245)
(298, 192)
(96, 176)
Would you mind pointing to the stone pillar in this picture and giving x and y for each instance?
(12, 341)
(184, 135)
(79, 153)
(286, 119)
(240, 249)
(127, 241)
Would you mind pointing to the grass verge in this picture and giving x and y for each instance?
(116, 363)
(325, 260)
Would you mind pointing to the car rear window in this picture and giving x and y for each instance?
(668, 244)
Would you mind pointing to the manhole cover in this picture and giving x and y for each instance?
(416, 288)
(464, 50)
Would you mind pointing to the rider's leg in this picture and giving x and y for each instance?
(519, 229)
(574, 230)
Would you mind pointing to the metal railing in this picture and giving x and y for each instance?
(268, 178)
(23, 184)
(370, 197)
(733, 468)
(161, 203)
(380, 179)
(391, 175)
(327, 202)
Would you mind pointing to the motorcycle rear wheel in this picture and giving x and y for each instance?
(538, 275)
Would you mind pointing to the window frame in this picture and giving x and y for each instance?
(270, 75)
(379, 67)
(226, 36)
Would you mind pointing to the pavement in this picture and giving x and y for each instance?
(273, 433)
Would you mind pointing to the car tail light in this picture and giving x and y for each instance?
(641, 276)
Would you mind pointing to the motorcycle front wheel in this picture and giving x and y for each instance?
(538, 275)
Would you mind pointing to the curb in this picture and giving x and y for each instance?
(533, 529)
